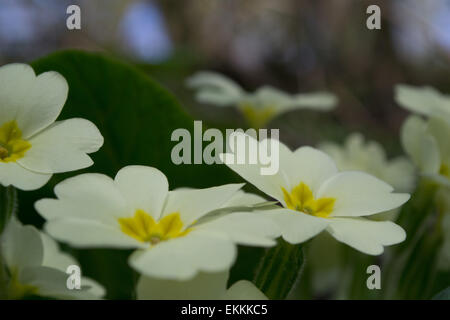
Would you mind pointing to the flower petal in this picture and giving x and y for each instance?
(90, 234)
(192, 204)
(420, 145)
(296, 227)
(53, 256)
(244, 290)
(52, 283)
(366, 235)
(87, 196)
(440, 130)
(21, 245)
(204, 286)
(183, 258)
(58, 259)
(421, 100)
(253, 170)
(144, 188)
(215, 88)
(34, 102)
(360, 194)
(246, 228)
(322, 101)
(14, 174)
(63, 147)
(310, 166)
(242, 198)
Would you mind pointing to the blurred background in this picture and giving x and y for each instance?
(296, 45)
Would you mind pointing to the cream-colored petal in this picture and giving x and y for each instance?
(421, 100)
(296, 227)
(246, 228)
(360, 194)
(192, 204)
(63, 147)
(11, 173)
(215, 88)
(242, 198)
(90, 234)
(439, 128)
(21, 246)
(420, 145)
(244, 290)
(144, 188)
(52, 283)
(34, 102)
(320, 101)
(88, 196)
(310, 166)
(184, 257)
(204, 286)
(364, 235)
(53, 256)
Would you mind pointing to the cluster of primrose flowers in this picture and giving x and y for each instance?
(184, 240)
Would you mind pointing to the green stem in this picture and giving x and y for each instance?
(8, 205)
(279, 270)
(8, 208)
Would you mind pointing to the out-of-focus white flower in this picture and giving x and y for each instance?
(204, 286)
(32, 145)
(260, 106)
(426, 142)
(172, 230)
(317, 197)
(36, 266)
(425, 101)
(370, 157)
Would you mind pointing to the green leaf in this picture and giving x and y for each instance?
(443, 295)
(8, 205)
(136, 116)
(279, 270)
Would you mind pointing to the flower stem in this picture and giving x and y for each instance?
(279, 270)
(8, 208)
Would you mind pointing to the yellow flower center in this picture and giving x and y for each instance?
(12, 146)
(445, 170)
(301, 199)
(144, 228)
(257, 117)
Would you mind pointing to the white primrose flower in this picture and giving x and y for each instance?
(36, 266)
(426, 142)
(175, 237)
(370, 157)
(317, 197)
(32, 145)
(425, 101)
(260, 106)
(204, 286)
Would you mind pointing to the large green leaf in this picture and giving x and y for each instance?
(136, 117)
